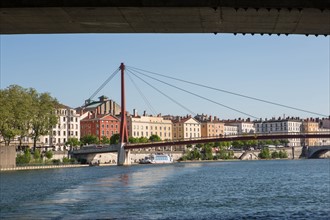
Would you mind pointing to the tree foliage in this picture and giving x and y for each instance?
(265, 153)
(73, 142)
(89, 139)
(49, 154)
(25, 113)
(105, 140)
(154, 137)
(115, 139)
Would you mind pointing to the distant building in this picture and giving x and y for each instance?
(102, 107)
(244, 126)
(230, 130)
(311, 125)
(99, 125)
(68, 126)
(281, 125)
(186, 127)
(211, 127)
(147, 125)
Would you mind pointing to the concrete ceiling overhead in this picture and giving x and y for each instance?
(165, 16)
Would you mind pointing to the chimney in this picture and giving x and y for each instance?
(210, 118)
(135, 113)
(144, 113)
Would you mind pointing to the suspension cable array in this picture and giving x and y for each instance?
(145, 72)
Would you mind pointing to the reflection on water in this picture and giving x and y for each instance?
(225, 190)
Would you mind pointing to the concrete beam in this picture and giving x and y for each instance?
(172, 16)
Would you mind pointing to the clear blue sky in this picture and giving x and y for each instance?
(291, 70)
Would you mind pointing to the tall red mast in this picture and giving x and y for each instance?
(123, 123)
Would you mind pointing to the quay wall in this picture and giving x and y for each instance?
(7, 157)
(43, 167)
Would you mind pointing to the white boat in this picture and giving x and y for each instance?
(160, 158)
(157, 159)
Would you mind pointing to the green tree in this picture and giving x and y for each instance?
(275, 154)
(238, 144)
(25, 158)
(114, 139)
(207, 152)
(105, 140)
(43, 112)
(154, 137)
(12, 110)
(49, 154)
(73, 142)
(36, 154)
(143, 140)
(264, 153)
(283, 154)
(89, 139)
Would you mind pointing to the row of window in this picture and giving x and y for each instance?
(137, 134)
(71, 119)
(70, 133)
(71, 126)
(64, 112)
(137, 127)
(54, 140)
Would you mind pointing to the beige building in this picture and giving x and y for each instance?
(244, 126)
(186, 127)
(311, 126)
(145, 126)
(211, 127)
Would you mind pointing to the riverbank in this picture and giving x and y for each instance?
(44, 167)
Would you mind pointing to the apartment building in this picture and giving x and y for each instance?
(68, 126)
(100, 125)
(147, 125)
(230, 130)
(281, 125)
(211, 126)
(311, 125)
(244, 126)
(101, 107)
(186, 127)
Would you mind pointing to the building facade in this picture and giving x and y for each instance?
(211, 127)
(68, 126)
(244, 126)
(147, 125)
(185, 128)
(100, 125)
(283, 126)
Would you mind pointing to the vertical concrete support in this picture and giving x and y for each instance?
(124, 157)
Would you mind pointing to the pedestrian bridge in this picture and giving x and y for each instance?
(316, 151)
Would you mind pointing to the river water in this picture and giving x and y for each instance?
(276, 189)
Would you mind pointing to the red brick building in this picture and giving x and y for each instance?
(99, 125)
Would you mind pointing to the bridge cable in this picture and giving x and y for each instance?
(232, 93)
(104, 84)
(142, 95)
(163, 93)
(236, 110)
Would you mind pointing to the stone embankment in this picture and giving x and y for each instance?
(43, 167)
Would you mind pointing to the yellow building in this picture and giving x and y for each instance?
(185, 128)
(311, 126)
(145, 126)
(212, 128)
